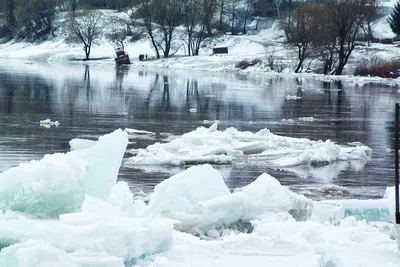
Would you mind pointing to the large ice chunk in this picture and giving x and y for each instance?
(44, 188)
(205, 145)
(199, 199)
(126, 238)
(105, 159)
(370, 210)
(327, 212)
(34, 253)
(183, 190)
(261, 197)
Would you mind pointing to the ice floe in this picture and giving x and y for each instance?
(209, 145)
(48, 122)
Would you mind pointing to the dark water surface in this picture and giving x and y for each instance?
(90, 101)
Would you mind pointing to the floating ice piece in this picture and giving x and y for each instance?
(135, 131)
(193, 148)
(44, 188)
(210, 122)
(78, 143)
(48, 122)
(208, 145)
(34, 253)
(333, 190)
(287, 120)
(310, 119)
(293, 97)
(193, 110)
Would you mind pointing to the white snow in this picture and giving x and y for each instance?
(223, 147)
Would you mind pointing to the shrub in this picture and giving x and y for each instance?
(376, 67)
(244, 64)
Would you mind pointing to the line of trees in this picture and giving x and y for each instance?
(328, 31)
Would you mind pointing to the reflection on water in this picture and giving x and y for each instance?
(90, 101)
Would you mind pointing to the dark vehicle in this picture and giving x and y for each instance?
(121, 56)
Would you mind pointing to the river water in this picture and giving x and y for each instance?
(90, 101)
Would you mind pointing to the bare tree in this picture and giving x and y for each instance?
(118, 33)
(209, 8)
(167, 15)
(232, 8)
(9, 20)
(196, 18)
(345, 19)
(145, 12)
(84, 27)
(300, 30)
(34, 18)
(370, 19)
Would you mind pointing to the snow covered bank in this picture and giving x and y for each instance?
(223, 147)
(266, 46)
